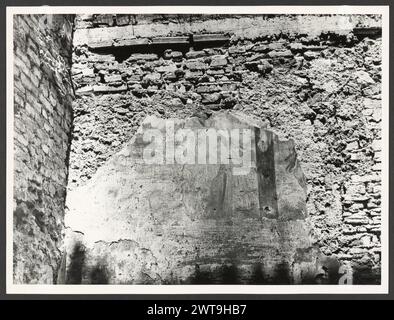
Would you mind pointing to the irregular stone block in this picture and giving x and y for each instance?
(377, 115)
(276, 46)
(296, 46)
(377, 167)
(101, 57)
(216, 72)
(168, 68)
(196, 65)
(218, 61)
(255, 57)
(280, 54)
(261, 48)
(152, 78)
(211, 98)
(84, 90)
(314, 48)
(195, 54)
(175, 55)
(352, 146)
(108, 89)
(113, 78)
(207, 88)
(310, 55)
(236, 50)
(264, 67)
(357, 220)
(363, 77)
(87, 71)
(193, 75)
(228, 86)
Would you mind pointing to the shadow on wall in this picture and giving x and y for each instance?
(282, 275)
(366, 275)
(74, 272)
(77, 269)
(78, 272)
(230, 274)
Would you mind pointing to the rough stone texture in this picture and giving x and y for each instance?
(42, 124)
(319, 86)
(175, 223)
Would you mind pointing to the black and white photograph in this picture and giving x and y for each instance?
(197, 150)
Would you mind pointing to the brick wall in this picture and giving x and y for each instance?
(43, 96)
(314, 79)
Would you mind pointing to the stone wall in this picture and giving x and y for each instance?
(314, 79)
(43, 96)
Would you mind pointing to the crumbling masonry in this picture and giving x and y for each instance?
(313, 79)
